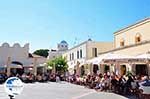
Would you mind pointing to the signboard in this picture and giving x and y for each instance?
(13, 86)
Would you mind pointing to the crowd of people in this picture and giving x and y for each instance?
(31, 78)
(108, 82)
(120, 84)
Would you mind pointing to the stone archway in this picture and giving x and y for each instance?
(16, 67)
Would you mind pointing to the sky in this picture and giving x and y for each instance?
(45, 23)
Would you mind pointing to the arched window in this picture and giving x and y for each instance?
(122, 42)
(138, 38)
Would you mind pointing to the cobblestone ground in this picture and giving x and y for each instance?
(61, 90)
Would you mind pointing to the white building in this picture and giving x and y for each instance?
(61, 48)
(78, 55)
(18, 58)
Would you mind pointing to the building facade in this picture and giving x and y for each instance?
(17, 59)
(78, 55)
(61, 48)
(133, 40)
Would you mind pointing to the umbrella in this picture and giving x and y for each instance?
(144, 56)
(113, 56)
(109, 57)
(117, 57)
(96, 60)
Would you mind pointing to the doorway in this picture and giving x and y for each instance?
(123, 69)
(95, 68)
(106, 68)
(141, 69)
(82, 70)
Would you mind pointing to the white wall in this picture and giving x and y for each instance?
(74, 50)
(17, 53)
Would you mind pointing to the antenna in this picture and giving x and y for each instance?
(90, 37)
(75, 41)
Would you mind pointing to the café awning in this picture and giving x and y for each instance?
(109, 57)
(144, 56)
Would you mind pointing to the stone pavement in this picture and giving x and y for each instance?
(61, 90)
(3, 95)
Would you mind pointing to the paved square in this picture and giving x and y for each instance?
(61, 90)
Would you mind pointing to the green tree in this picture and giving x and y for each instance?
(59, 63)
(41, 52)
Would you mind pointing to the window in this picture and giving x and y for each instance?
(94, 52)
(72, 56)
(138, 38)
(80, 53)
(77, 54)
(122, 42)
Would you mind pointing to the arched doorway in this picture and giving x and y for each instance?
(95, 68)
(16, 68)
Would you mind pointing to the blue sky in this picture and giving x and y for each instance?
(44, 23)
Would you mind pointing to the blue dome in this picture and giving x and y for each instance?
(63, 42)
